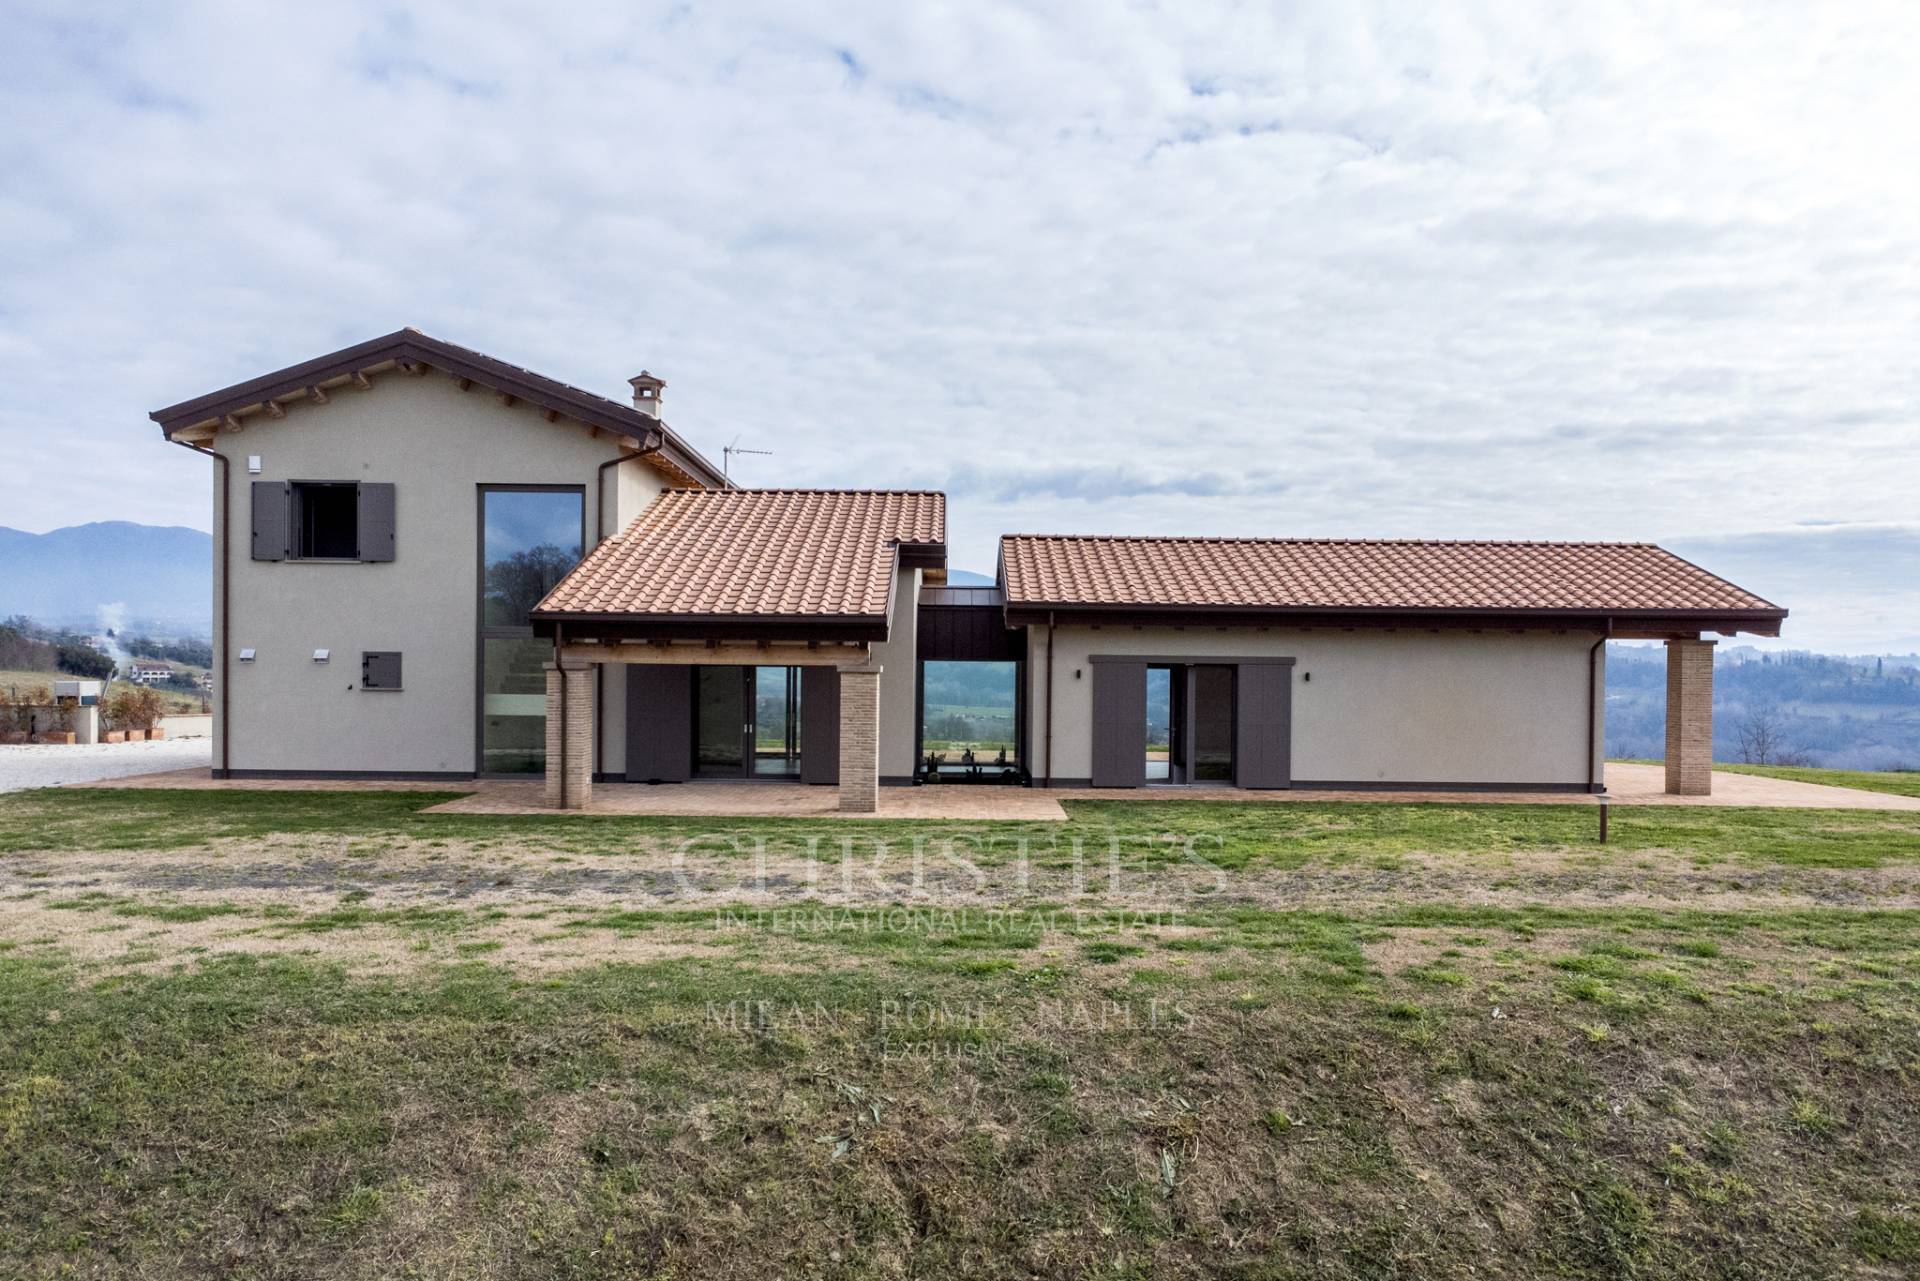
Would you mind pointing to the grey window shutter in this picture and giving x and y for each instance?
(272, 519)
(1263, 725)
(820, 725)
(1119, 724)
(376, 521)
(659, 723)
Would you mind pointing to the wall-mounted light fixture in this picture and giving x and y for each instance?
(246, 655)
(321, 655)
(253, 464)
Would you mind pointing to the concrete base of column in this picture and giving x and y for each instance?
(860, 740)
(569, 780)
(1690, 717)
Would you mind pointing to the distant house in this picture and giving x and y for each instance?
(144, 672)
(206, 681)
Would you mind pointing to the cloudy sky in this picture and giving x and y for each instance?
(1515, 270)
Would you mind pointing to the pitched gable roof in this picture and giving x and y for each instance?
(764, 557)
(1283, 576)
(411, 349)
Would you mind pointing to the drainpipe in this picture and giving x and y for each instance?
(560, 664)
(1049, 719)
(1593, 716)
(226, 589)
(651, 445)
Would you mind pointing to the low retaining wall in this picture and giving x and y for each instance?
(187, 725)
(41, 724)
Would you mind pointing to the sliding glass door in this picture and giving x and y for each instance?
(1189, 724)
(720, 722)
(776, 721)
(747, 722)
(1166, 721)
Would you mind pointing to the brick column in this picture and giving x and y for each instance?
(1690, 717)
(860, 740)
(572, 680)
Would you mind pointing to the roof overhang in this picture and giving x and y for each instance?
(813, 628)
(922, 555)
(410, 351)
(1625, 624)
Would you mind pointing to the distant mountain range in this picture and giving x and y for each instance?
(112, 573)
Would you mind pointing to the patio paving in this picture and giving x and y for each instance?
(770, 800)
(1626, 785)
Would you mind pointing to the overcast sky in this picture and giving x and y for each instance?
(1610, 271)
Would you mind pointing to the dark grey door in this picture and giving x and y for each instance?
(1263, 725)
(659, 723)
(820, 726)
(1119, 723)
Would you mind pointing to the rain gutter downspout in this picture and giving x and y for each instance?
(1049, 726)
(651, 445)
(560, 670)
(226, 590)
(1593, 715)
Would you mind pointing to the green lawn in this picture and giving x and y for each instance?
(1231, 835)
(1423, 1087)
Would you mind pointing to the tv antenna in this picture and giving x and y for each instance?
(728, 452)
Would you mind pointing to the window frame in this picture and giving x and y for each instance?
(484, 631)
(296, 522)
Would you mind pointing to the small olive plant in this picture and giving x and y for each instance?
(132, 707)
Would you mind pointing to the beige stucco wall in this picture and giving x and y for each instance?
(436, 445)
(898, 657)
(1381, 707)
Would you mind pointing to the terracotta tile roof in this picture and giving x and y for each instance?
(410, 344)
(1350, 574)
(754, 553)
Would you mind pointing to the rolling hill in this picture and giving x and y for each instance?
(109, 573)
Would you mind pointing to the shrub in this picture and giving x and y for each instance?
(131, 707)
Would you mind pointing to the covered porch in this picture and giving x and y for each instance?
(751, 629)
(829, 735)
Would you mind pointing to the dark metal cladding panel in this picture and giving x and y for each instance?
(272, 519)
(659, 723)
(1119, 724)
(967, 633)
(820, 726)
(1263, 747)
(376, 520)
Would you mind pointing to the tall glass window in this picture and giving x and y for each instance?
(968, 711)
(530, 536)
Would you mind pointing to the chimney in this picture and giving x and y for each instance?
(646, 393)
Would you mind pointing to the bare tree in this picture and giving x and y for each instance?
(1764, 740)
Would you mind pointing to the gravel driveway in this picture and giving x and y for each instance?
(49, 764)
